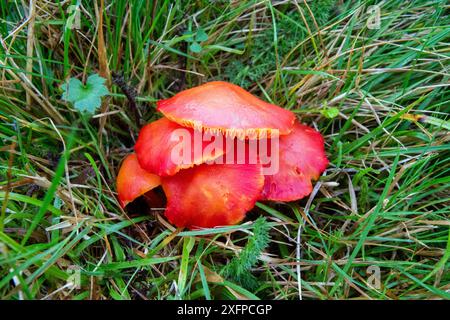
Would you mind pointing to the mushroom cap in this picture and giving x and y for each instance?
(301, 158)
(220, 106)
(133, 181)
(159, 143)
(211, 195)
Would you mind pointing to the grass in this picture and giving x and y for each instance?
(379, 96)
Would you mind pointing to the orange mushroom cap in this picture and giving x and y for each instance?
(220, 106)
(301, 158)
(211, 195)
(133, 181)
(160, 145)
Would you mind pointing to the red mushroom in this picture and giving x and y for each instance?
(158, 143)
(133, 181)
(201, 193)
(301, 158)
(211, 195)
(224, 107)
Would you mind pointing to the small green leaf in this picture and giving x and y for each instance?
(195, 47)
(330, 113)
(201, 35)
(85, 98)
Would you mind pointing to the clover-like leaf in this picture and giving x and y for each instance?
(195, 47)
(85, 97)
(201, 35)
(330, 113)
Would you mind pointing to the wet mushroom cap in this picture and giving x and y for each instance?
(133, 181)
(220, 106)
(160, 146)
(302, 158)
(211, 195)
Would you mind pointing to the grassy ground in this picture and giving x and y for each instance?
(379, 96)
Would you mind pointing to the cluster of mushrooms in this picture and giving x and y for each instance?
(203, 192)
